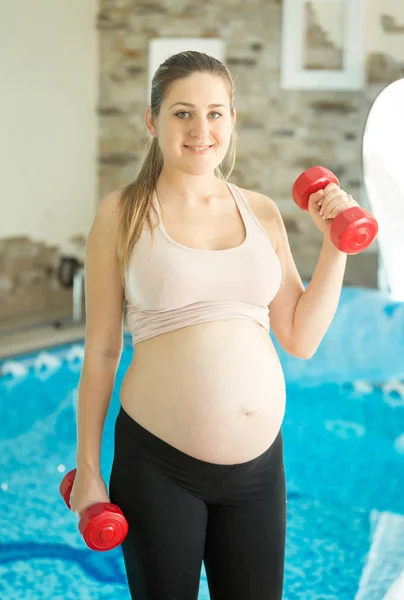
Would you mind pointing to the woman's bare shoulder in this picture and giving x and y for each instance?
(263, 206)
(110, 203)
(107, 215)
(265, 209)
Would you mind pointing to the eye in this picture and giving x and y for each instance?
(183, 114)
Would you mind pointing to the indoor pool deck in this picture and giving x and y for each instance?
(38, 330)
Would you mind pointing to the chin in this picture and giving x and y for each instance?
(204, 167)
(202, 170)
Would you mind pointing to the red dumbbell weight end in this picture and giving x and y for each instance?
(103, 525)
(351, 231)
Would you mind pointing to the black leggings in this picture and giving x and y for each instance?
(182, 511)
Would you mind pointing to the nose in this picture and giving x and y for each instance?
(200, 128)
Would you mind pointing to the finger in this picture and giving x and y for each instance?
(330, 201)
(316, 198)
(337, 209)
(337, 206)
(331, 187)
(333, 192)
(329, 198)
(317, 194)
(334, 204)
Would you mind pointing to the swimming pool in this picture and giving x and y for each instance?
(344, 460)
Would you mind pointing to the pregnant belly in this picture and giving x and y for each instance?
(215, 391)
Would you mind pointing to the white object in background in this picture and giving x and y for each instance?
(162, 48)
(385, 560)
(294, 75)
(14, 368)
(383, 147)
(78, 292)
(396, 592)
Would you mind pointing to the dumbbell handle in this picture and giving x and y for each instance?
(309, 182)
(102, 525)
(353, 230)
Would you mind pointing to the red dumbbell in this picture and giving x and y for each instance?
(354, 229)
(102, 525)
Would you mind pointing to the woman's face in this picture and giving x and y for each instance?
(194, 124)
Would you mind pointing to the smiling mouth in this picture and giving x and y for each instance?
(199, 149)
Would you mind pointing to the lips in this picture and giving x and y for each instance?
(199, 149)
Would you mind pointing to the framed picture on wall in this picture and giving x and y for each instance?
(162, 48)
(322, 45)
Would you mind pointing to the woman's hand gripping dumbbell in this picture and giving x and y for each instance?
(352, 228)
(102, 525)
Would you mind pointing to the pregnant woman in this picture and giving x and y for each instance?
(205, 268)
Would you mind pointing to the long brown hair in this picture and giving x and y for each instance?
(136, 197)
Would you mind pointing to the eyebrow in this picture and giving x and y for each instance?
(193, 105)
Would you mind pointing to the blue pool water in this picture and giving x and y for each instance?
(344, 459)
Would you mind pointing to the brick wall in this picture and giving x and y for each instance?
(280, 132)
